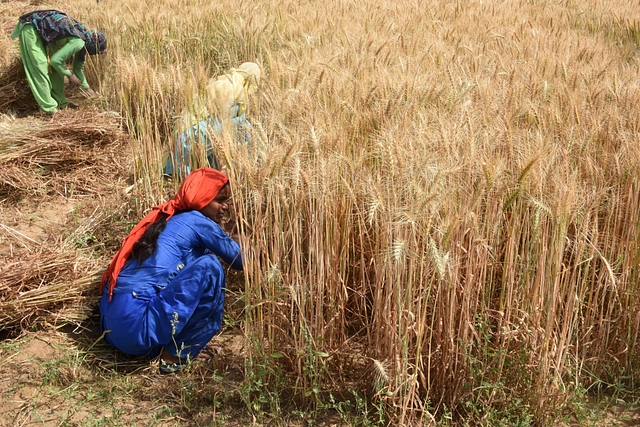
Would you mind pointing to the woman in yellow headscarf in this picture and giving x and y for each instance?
(228, 94)
(226, 101)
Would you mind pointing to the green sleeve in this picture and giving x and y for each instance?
(59, 57)
(17, 30)
(78, 70)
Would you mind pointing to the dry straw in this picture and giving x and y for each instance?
(57, 160)
(15, 94)
(46, 286)
(40, 156)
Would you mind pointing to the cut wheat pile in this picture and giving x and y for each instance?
(56, 160)
(73, 147)
(15, 94)
(45, 286)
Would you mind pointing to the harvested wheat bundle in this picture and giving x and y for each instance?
(87, 126)
(73, 150)
(7, 22)
(15, 94)
(17, 179)
(46, 286)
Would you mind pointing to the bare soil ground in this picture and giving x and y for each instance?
(55, 377)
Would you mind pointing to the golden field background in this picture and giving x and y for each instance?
(442, 199)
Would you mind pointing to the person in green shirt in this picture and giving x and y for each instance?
(48, 39)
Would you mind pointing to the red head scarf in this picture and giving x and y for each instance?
(197, 191)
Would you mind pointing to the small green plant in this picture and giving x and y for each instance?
(82, 240)
(229, 321)
(360, 412)
(261, 388)
(54, 372)
(612, 384)
(498, 380)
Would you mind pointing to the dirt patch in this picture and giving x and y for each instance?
(67, 377)
(37, 350)
(26, 226)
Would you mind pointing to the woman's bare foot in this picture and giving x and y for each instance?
(169, 358)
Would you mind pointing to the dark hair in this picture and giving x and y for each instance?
(148, 242)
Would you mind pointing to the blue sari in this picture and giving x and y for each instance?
(175, 298)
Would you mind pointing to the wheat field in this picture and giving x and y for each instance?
(442, 199)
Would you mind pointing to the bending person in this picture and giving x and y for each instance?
(228, 94)
(226, 105)
(50, 37)
(163, 292)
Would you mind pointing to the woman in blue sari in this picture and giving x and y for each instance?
(163, 292)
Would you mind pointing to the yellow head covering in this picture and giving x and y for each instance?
(252, 79)
(232, 89)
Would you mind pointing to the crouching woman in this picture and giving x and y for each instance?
(163, 292)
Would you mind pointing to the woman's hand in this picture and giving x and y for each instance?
(74, 81)
(232, 228)
(88, 92)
